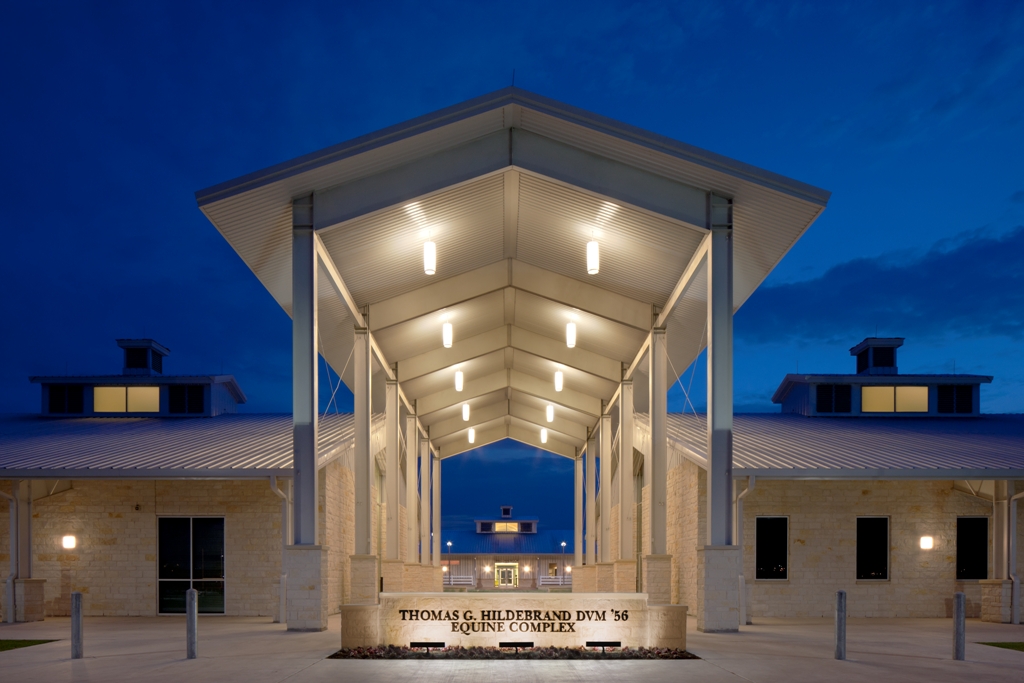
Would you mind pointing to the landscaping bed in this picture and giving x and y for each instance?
(552, 653)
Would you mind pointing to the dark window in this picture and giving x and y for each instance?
(191, 555)
(486, 527)
(971, 547)
(771, 554)
(195, 398)
(825, 402)
(872, 548)
(956, 398)
(885, 357)
(186, 398)
(66, 398)
(834, 398)
(526, 527)
(506, 511)
(862, 360)
(136, 358)
(158, 363)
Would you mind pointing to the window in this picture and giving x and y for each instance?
(872, 548)
(885, 357)
(834, 398)
(894, 399)
(526, 527)
(971, 548)
(552, 569)
(66, 398)
(191, 556)
(956, 398)
(506, 511)
(486, 527)
(862, 360)
(186, 398)
(771, 552)
(506, 527)
(136, 358)
(126, 399)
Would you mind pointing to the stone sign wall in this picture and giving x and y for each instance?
(486, 619)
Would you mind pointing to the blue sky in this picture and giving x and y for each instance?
(911, 114)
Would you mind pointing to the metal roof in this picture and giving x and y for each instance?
(791, 380)
(798, 447)
(510, 187)
(229, 446)
(544, 542)
(146, 380)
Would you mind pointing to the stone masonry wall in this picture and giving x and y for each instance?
(822, 547)
(687, 514)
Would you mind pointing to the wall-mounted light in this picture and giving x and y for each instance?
(568, 570)
(570, 335)
(430, 257)
(465, 412)
(458, 380)
(69, 542)
(593, 258)
(446, 335)
(472, 435)
(526, 569)
(444, 569)
(927, 543)
(549, 413)
(487, 568)
(543, 436)
(559, 379)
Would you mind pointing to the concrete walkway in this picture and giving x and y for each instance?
(257, 651)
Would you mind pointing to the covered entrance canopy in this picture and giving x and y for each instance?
(510, 187)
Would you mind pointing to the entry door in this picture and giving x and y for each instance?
(506, 575)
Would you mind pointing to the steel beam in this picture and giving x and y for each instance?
(305, 362)
(424, 548)
(606, 487)
(577, 544)
(687, 279)
(436, 499)
(392, 476)
(363, 369)
(659, 442)
(412, 527)
(590, 533)
(626, 494)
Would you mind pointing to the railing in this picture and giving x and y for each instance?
(564, 580)
(450, 580)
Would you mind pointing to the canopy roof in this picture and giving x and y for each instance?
(511, 186)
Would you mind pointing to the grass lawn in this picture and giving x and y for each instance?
(1009, 646)
(15, 644)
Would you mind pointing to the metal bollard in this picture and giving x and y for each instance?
(959, 626)
(191, 630)
(76, 626)
(840, 624)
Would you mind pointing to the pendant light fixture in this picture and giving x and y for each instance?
(593, 257)
(458, 380)
(446, 335)
(430, 257)
(465, 412)
(550, 413)
(570, 335)
(472, 435)
(543, 436)
(558, 380)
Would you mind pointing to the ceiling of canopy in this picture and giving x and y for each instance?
(511, 187)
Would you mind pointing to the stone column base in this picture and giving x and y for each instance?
(995, 600)
(393, 572)
(364, 582)
(360, 626)
(625, 576)
(29, 599)
(666, 626)
(584, 579)
(605, 577)
(307, 569)
(657, 579)
(718, 592)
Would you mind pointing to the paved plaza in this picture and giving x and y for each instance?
(257, 651)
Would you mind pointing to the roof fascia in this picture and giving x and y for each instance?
(879, 474)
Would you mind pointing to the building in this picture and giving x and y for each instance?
(507, 552)
(513, 268)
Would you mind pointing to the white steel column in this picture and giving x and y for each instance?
(659, 441)
(1000, 529)
(590, 532)
(424, 502)
(626, 503)
(436, 545)
(392, 439)
(719, 421)
(578, 512)
(304, 371)
(606, 488)
(412, 527)
(363, 368)
(23, 493)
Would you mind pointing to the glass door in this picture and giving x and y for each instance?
(506, 575)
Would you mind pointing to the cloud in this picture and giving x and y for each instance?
(972, 285)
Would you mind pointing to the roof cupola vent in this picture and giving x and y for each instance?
(143, 356)
(877, 355)
(506, 511)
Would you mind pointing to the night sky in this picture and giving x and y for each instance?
(114, 114)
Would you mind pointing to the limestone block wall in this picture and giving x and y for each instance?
(613, 539)
(5, 547)
(822, 547)
(686, 516)
(337, 525)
